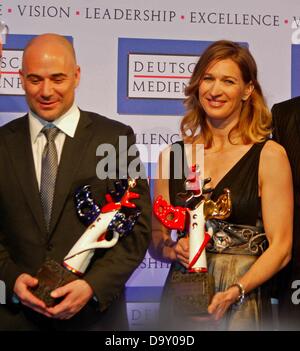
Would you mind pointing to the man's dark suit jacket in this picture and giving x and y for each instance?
(286, 121)
(24, 241)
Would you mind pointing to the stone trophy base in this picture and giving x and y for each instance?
(51, 275)
(191, 293)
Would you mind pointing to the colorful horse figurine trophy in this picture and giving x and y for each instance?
(115, 219)
(192, 289)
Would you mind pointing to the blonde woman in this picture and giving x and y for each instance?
(227, 113)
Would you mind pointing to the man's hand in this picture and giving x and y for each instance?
(77, 294)
(21, 289)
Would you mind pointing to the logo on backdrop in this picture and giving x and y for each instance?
(10, 83)
(295, 70)
(149, 273)
(153, 74)
(12, 97)
(157, 138)
(143, 316)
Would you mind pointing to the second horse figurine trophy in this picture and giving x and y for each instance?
(192, 289)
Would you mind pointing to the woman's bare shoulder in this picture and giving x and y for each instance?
(273, 160)
(273, 150)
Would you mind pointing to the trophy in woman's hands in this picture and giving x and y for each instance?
(115, 219)
(192, 289)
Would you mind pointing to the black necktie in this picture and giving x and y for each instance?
(49, 171)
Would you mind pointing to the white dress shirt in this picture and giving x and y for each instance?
(67, 125)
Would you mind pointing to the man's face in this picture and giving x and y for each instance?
(49, 77)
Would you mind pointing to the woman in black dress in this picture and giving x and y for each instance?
(227, 113)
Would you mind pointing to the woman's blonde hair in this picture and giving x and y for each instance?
(255, 121)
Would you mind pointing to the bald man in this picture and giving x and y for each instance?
(49, 77)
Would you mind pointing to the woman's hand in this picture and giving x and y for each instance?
(222, 301)
(181, 250)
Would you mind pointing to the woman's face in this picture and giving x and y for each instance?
(222, 90)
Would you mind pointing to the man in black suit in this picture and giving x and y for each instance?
(49, 77)
(286, 119)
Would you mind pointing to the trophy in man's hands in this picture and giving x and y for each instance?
(191, 290)
(115, 219)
